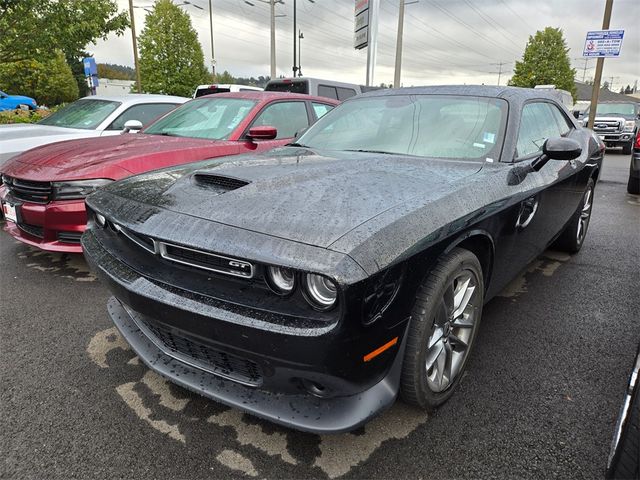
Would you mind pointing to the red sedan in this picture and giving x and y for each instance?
(43, 189)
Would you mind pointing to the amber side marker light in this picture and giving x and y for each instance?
(379, 350)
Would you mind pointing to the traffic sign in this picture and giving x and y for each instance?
(603, 43)
(361, 24)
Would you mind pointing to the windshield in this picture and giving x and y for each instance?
(85, 114)
(612, 108)
(461, 127)
(210, 118)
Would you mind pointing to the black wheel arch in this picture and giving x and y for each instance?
(480, 243)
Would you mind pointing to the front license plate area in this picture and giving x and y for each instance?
(9, 212)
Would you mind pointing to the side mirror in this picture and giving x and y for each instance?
(132, 126)
(262, 133)
(557, 148)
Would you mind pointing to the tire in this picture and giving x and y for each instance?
(626, 458)
(573, 235)
(633, 185)
(627, 147)
(441, 292)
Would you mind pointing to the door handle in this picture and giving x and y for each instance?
(528, 209)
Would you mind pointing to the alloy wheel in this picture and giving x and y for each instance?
(449, 343)
(585, 214)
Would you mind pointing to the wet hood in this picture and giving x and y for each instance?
(96, 157)
(296, 194)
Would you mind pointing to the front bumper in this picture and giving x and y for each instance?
(267, 370)
(54, 226)
(615, 139)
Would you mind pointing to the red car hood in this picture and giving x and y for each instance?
(111, 157)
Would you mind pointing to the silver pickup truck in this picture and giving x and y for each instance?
(616, 123)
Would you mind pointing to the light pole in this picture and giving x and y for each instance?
(300, 37)
(295, 35)
(272, 4)
(396, 76)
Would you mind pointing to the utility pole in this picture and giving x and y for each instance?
(295, 38)
(499, 72)
(584, 67)
(396, 75)
(272, 4)
(135, 46)
(213, 55)
(599, 65)
(300, 37)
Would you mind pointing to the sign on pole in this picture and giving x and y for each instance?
(361, 24)
(603, 43)
(91, 73)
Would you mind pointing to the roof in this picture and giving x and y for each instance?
(267, 96)
(137, 98)
(471, 90)
(584, 93)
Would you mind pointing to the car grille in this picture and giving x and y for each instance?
(27, 190)
(201, 356)
(32, 230)
(69, 237)
(607, 126)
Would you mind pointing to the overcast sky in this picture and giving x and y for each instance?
(445, 41)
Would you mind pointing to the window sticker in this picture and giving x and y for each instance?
(489, 137)
(479, 145)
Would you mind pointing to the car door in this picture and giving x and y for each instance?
(551, 193)
(287, 117)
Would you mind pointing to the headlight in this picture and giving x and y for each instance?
(281, 280)
(77, 189)
(322, 293)
(629, 126)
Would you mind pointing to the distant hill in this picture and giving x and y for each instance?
(116, 72)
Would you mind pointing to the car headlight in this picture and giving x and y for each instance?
(281, 280)
(629, 126)
(75, 190)
(321, 292)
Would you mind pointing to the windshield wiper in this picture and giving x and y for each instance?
(296, 144)
(370, 151)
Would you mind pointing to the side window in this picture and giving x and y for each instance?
(327, 91)
(287, 117)
(144, 113)
(344, 93)
(536, 125)
(321, 108)
(563, 124)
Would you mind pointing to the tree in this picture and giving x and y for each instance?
(545, 62)
(29, 29)
(628, 90)
(50, 82)
(171, 58)
(605, 86)
(224, 77)
(115, 72)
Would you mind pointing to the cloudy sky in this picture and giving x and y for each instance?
(445, 41)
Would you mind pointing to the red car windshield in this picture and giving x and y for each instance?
(208, 118)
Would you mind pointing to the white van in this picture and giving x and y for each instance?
(223, 88)
(315, 86)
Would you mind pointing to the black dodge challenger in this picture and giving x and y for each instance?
(313, 284)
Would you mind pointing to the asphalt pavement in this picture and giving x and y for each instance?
(539, 399)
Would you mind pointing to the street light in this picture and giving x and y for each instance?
(300, 37)
(295, 35)
(272, 4)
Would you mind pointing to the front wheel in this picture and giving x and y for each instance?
(444, 323)
(633, 185)
(573, 235)
(627, 147)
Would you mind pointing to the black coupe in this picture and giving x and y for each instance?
(313, 284)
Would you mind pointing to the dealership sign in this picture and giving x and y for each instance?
(603, 43)
(361, 24)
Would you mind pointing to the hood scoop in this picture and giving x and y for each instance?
(217, 183)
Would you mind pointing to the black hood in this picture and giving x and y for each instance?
(297, 194)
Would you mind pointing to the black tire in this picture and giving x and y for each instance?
(431, 298)
(627, 147)
(633, 185)
(571, 238)
(625, 462)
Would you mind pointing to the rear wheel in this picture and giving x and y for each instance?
(572, 237)
(444, 323)
(633, 185)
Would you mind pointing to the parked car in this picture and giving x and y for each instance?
(13, 102)
(617, 123)
(202, 90)
(44, 188)
(633, 185)
(315, 86)
(94, 116)
(311, 284)
(624, 457)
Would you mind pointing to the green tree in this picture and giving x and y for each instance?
(30, 29)
(171, 58)
(545, 62)
(224, 77)
(50, 82)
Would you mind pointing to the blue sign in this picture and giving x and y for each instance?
(603, 43)
(90, 67)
